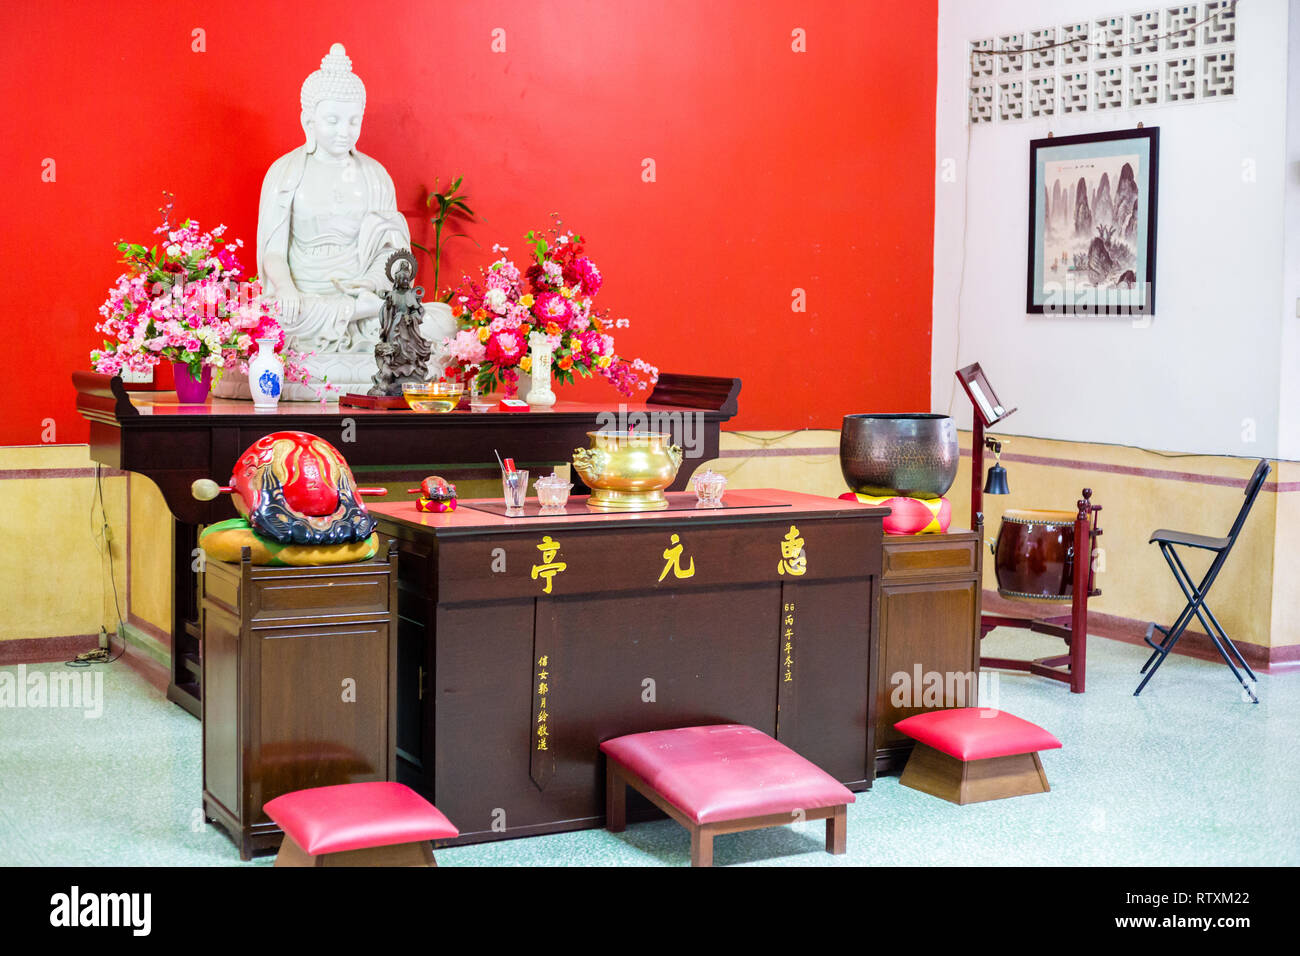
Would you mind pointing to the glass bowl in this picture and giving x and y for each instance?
(435, 397)
(709, 489)
(552, 493)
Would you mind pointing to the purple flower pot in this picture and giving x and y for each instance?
(189, 390)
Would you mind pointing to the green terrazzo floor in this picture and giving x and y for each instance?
(1187, 774)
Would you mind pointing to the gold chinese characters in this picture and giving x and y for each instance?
(543, 690)
(549, 567)
(787, 642)
(673, 560)
(793, 559)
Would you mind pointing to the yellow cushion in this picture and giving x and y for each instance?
(224, 541)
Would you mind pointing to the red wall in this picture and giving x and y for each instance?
(775, 169)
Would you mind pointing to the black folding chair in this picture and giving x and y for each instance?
(1196, 593)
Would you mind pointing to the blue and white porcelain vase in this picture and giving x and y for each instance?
(265, 375)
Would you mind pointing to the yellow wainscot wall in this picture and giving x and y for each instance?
(54, 568)
(151, 536)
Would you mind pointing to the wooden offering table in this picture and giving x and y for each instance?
(525, 642)
(174, 444)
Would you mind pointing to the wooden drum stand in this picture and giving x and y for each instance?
(1070, 667)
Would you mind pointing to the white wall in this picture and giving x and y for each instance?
(1211, 358)
(1289, 353)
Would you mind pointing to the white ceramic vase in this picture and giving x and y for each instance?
(265, 376)
(540, 395)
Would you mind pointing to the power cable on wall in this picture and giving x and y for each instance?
(101, 534)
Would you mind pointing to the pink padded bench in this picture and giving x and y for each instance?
(358, 824)
(722, 779)
(970, 754)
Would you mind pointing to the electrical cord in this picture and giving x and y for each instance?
(100, 535)
(768, 442)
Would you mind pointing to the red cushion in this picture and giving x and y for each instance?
(725, 772)
(355, 816)
(976, 733)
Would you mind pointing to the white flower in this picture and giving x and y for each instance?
(496, 300)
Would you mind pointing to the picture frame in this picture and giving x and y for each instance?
(1092, 224)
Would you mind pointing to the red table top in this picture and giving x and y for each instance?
(465, 519)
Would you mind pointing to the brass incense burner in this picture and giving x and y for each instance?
(628, 471)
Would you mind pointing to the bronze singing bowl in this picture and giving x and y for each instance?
(627, 472)
(911, 455)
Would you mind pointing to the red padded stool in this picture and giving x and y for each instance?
(358, 824)
(722, 779)
(971, 754)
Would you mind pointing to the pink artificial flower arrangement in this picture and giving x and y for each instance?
(187, 300)
(554, 295)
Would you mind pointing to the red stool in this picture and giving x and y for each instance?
(722, 779)
(970, 754)
(358, 824)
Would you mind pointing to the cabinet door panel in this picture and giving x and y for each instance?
(924, 629)
(823, 713)
(323, 714)
(480, 721)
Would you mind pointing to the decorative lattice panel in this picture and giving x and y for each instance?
(1221, 25)
(1217, 75)
(1108, 88)
(1011, 100)
(1108, 37)
(981, 59)
(1180, 79)
(1075, 37)
(1143, 84)
(1074, 92)
(1042, 49)
(1180, 23)
(1144, 33)
(1179, 53)
(981, 103)
(1041, 95)
(1010, 57)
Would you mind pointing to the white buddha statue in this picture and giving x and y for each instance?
(327, 222)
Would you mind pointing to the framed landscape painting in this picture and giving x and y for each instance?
(1092, 224)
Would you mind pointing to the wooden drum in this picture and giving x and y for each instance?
(1034, 555)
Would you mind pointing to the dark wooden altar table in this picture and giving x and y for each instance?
(525, 642)
(150, 433)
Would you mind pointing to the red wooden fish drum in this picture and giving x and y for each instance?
(1034, 555)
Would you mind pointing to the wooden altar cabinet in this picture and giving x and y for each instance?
(174, 444)
(525, 642)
